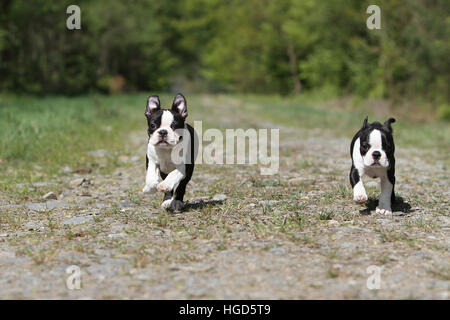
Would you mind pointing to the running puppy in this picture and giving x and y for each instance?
(168, 134)
(372, 150)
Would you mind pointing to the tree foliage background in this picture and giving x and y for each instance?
(248, 46)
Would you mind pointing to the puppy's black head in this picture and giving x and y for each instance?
(376, 143)
(163, 123)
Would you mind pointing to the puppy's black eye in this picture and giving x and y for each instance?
(153, 126)
(365, 146)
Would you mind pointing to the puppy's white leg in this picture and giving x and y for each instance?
(359, 192)
(384, 204)
(152, 177)
(172, 180)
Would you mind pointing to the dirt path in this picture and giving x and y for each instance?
(294, 235)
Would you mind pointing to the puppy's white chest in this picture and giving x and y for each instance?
(165, 160)
(162, 158)
(166, 166)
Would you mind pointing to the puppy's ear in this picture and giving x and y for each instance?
(387, 124)
(153, 105)
(365, 122)
(179, 105)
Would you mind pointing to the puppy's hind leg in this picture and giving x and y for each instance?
(391, 177)
(170, 202)
(387, 196)
(359, 192)
(168, 196)
(178, 204)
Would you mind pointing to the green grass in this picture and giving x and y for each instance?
(39, 136)
(326, 215)
(301, 112)
(55, 131)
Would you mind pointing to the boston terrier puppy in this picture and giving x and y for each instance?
(168, 135)
(372, 150)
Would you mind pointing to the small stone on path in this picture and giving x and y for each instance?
(50, 195)
(219, 197)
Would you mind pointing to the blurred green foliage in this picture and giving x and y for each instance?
(258, 46)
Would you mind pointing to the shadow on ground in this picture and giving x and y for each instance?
(200, 204)
(399, 207)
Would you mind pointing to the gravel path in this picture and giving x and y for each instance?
(294, 235)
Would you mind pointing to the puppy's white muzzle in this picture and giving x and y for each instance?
(376, 158)
(164, 137)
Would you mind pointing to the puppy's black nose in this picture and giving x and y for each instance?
(163, 132)
(376, 155)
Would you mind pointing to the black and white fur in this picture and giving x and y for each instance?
(164, 131)
(372, 150)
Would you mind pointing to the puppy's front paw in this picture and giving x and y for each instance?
(150, 187)
(384, 209)
(166, 204)
(360, 197)
(172, 205)
(164, 186)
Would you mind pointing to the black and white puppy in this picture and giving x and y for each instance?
(168, 131)
(372, 150)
